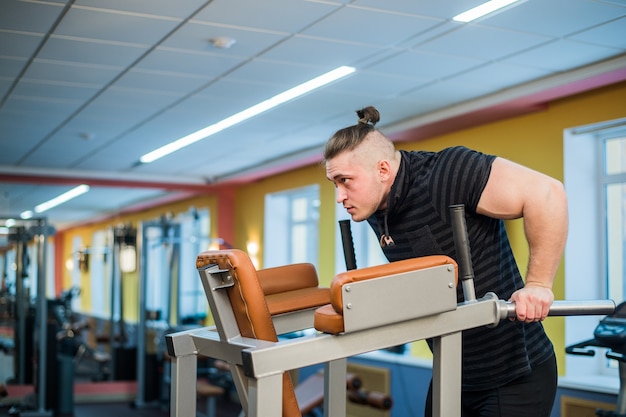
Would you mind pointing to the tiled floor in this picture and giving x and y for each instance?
(225, 408)
(102, 399)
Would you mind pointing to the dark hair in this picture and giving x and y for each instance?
(350, 137)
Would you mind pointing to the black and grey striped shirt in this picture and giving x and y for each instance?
(418, 221)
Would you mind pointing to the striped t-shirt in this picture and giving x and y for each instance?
(417, 218)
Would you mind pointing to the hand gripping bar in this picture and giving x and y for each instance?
(507, 309)
(568, 308)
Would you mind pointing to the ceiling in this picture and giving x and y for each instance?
(88, 86)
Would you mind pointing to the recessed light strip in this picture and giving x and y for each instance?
(60, 199)
(482, 10)
(247, 113)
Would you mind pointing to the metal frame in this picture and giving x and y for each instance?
(258, 365)
(38, 230)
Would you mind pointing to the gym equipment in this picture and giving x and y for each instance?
(33, 318)
(71, 339)
(610, 333)
(164, 300)
(370, 309)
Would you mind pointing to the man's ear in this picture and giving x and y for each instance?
(384, 170)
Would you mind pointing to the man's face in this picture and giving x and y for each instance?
(358, 185)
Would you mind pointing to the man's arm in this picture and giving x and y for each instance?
(514, 191)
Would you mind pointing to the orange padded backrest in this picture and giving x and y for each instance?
(281, 278)
(250, 309)
(329, 318)
(378, 271)
(292, 287)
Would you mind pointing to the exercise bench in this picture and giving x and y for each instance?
(369, 309)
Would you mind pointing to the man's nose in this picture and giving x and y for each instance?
(341, 195)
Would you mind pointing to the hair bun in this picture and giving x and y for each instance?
(368, 115)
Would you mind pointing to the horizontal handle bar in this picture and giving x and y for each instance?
(573, 308)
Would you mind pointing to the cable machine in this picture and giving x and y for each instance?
(160, 244)
(123, 240)
(21, 234)
(164, 234)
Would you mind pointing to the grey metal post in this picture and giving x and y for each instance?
(447, 365)
(40, 232)
(142, 248)
(114, 274)
(20, 298)
(335, 387)
(42, 314)
(183, 386)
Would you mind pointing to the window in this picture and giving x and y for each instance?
(192, 302)
(595, 180)
(614, 198)
(77, 247)
(98, 274)
(291, 227)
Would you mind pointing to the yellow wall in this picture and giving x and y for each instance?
(535, 140)
(130, 281)
(249, 213)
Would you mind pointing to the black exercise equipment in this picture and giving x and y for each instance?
(610, 334)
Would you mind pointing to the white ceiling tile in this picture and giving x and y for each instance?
(370, 27)
(101, 24)
(425, 65)
(19, 44)
(307, 50)
(483, 43)
(442, 94)
(225, 91)
(88, 52)
(5, 86)
(499, 75)
(35, 116)
(206, 64)
(195, 36)
(67, 72)
(612, 34)
(443, 9)
(285, 16)
(402, 108)
(62, 150)
(100, 129)
(26, 16)
(178, 9)
(556, 18)
(55, 90)
(10, 67)
(283, 75)
(562, 55)
(378, 84)
(150, 80)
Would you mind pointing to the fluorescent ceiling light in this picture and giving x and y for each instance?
(247, 113)
(63, 198)
(482, 10)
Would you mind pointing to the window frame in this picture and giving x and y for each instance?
(586, 249)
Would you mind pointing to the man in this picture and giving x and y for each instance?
(509, 370)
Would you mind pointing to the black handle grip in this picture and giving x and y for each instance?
(348, 244)
(461, 241)
(462, 246)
